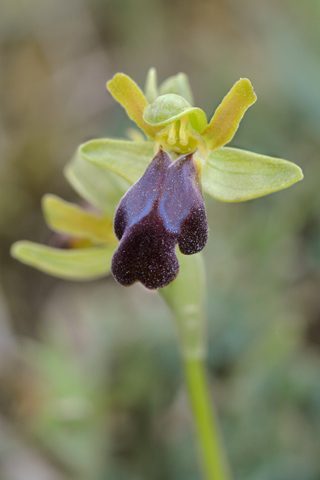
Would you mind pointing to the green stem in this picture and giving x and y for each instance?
(213, 456)
(186, 298)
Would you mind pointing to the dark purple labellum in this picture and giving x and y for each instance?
(164, 208)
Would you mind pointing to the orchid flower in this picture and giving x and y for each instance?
(181, 157)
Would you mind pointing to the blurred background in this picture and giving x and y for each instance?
(90, 380)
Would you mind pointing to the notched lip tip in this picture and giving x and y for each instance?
(143, 284)
(150, 288)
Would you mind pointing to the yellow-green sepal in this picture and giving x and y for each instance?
(178, 84)
(233, 175)
(127, 159)
(228, 115)
(99, 187)
(69, 218)
(151, 86)
(129, 95)
(77, 264)
(169, 108)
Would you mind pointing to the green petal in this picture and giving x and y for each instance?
(228, 115)
(129, 95)
(62, 216)
(170, 108)
(101, 188)
(125, 158)
(78, 264)
(186, 298)
(233, 175)
(178, 84)
(151, 89)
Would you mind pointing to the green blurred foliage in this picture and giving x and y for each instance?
(91, 386)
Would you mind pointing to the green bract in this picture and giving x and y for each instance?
(103, 169)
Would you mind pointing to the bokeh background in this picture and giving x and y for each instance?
(90, 380)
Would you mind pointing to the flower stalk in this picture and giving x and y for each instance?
(213, 457)
(186, 297)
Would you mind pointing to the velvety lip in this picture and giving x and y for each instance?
(164, 208)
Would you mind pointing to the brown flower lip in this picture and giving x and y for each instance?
(162, 209)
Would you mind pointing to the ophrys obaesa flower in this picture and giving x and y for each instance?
(180, 157)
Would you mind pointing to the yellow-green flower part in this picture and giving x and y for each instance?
(103, 169)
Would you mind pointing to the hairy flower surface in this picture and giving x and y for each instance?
(181, 157)
(163, 208)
